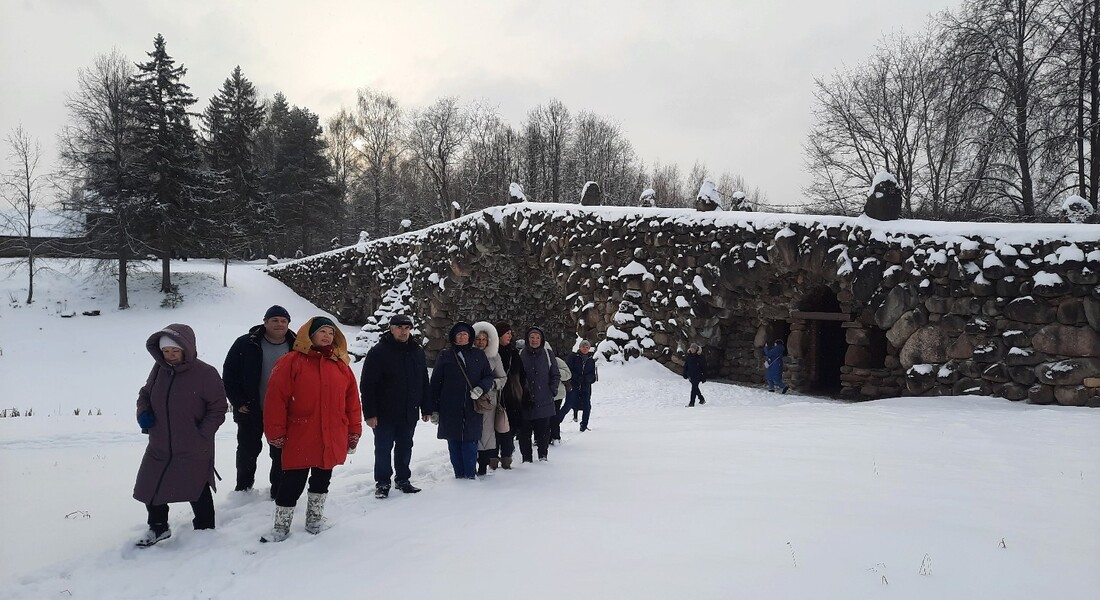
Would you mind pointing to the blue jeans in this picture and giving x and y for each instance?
(398, 438)
(463, 458)
(577, 399)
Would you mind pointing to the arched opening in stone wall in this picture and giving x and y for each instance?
(825, 343)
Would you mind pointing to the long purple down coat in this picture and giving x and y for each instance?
(188, 402)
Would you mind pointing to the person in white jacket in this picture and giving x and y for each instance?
(486, 339)
(564, 386)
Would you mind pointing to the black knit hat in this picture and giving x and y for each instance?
(502, 328)
(319, 322)
(398, 320)
(276, 311)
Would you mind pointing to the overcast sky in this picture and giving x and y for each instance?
(727, 83)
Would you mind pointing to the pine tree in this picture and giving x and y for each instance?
(233, 120)
(172, 183)
(299, 178)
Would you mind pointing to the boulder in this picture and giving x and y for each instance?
(1040, 394)
(905, 326)
(1028, 309)
(1012, 391)
(884, 203)
(899, 300)
(1071, 371)
(591, 195)
(1067, 340)
(1074, 395)
(962, 348)
(927, 345)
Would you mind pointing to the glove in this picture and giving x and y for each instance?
(146, 420)
(353, 442)
(435, 418)
(476, 393)
(767, 364)
(277, 442)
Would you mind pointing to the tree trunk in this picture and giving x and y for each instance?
(1094, 108)
(166, 272)
(225, 270)
(30, 275)
(123, 297)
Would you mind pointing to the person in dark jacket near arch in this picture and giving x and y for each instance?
(773, 365)
(582, 365)
(512, 395)
(181, 406)
(461, 375)
(695, 371)
(246, 371)
(393, 388)
(541, 372)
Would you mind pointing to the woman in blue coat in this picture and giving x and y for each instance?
(461, 375)
(773, 365)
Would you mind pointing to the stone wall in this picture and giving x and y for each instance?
(867, 309)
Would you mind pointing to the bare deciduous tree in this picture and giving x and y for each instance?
(436, 137)
(23, 186)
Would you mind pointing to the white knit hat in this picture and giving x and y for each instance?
(167, 342)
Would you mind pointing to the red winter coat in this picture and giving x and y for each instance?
(313, 402)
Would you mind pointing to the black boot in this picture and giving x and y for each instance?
(482, 466)
(382, 490)
(406, 487)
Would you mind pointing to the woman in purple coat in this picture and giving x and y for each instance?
(181, 406)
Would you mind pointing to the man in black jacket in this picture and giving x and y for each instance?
(393, 388)
(245, 372)
(695, 371)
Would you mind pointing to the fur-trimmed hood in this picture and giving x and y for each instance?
(302, 343)
(493, 349)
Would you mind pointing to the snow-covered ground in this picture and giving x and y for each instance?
(753, 495)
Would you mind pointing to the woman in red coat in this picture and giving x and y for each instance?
(312, 412)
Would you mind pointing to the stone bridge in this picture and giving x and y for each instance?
(868, 309)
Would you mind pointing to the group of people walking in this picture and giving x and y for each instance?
(297, 390)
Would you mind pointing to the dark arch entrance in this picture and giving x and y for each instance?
(825, 340)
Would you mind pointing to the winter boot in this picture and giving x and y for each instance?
(315, 513)
(482, 466)
(157, 532)
(494, 463)
(784, 389)
(506, 463)
(280, 530)
(406, 487)
(381, 490)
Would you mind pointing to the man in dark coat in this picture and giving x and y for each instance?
(461, 375)
(246, 371)
(541, 372)
(695, 371)
(582, 365)
(181, 406)
(393, 388)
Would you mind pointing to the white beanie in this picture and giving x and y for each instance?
(167, 342)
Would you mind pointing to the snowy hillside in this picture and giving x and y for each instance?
(753, 495)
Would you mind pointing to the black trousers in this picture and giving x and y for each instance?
(541, 429)
(695, 393)
(294, 481)
(396, 439)
(555, 424)
(203, 509)
(250, 435)
(506, 442)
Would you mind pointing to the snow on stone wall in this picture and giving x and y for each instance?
(930, 308)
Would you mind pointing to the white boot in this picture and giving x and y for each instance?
(284, 515)
(315, 513)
